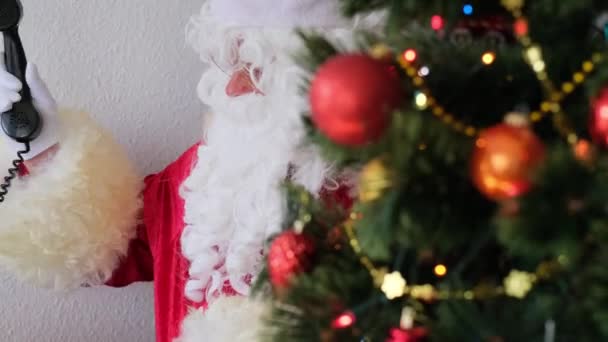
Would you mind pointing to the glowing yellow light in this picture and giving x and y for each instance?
(534, 54)
(410, 55)
(394, 285)
(538, 66)
(421, 100)
(440, 270)
(470, 131)
(518, 284)
(438, 111)
(488, 58)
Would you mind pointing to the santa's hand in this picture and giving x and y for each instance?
(43, 101)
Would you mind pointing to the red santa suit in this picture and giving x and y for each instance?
(154, 255)
(198, 228)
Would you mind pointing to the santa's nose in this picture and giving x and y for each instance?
(241, 83)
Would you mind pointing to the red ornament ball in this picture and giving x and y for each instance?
(598, 123)
(503, 160)
(418, 334)
(290, 254)
(352, 97)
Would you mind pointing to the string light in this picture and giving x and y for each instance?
(344, 321)
(520, 27)
(552, 105)
(421, 100)
(424, 71)
(534, 57)
(467, 9)
(440, 270)
(488, 58)
(517, 284)
(394, 285)
(437, 22)
(410, 55)
(583, 150)
(408, 315)
(433, 107)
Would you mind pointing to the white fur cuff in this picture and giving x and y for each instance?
(70, 221)
(229, 319)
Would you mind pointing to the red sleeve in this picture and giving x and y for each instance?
(137, 265)
(155, 253)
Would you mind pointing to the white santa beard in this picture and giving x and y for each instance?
(233, 199)
(233, 196)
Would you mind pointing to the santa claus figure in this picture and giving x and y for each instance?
(79, 215)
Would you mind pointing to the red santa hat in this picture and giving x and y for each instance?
(279, 13)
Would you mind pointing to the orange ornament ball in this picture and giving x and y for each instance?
(504, 159)
(352, 97)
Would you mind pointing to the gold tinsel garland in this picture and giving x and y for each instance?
(517, 284)
(533, 55)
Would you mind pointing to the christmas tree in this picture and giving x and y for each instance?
(480, 131)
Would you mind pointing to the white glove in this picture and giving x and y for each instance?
(44, 103)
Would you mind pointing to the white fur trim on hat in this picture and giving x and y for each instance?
(230, 319)
(279, 13)
(70, 221)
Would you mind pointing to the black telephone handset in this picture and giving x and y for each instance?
(21, 123)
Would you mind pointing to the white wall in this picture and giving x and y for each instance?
(126, 62)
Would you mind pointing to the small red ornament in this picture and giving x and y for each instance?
(503, 160)
(352, 97)
(598, 123)
(418, 334)
(290, 254)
